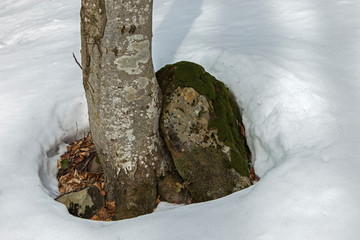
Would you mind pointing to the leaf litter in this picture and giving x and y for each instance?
(75, 173)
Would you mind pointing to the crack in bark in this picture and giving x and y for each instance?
(92, 31)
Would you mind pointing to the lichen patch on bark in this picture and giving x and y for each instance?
(142, 82)
(131, 64)
(137, 89)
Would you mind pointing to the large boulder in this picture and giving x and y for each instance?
(201, 126)
(84, 203)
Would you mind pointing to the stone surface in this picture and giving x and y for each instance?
(169, 190)
(94, 165)
(84, 203)
(200, 123)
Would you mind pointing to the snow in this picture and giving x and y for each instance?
(293, 67)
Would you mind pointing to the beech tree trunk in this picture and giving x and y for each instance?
(123, 99)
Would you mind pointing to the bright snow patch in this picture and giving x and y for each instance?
(294, 68)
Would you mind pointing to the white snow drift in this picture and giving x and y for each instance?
(294, 68)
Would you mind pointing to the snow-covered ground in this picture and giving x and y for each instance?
(294, 67)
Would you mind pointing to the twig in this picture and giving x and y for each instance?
(87, 160)
(77, 61)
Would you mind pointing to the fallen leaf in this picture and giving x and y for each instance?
(74, 180)
(97, 184)
(84, 154)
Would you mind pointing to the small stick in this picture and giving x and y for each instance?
(77, 61)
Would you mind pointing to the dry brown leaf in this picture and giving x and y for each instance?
(66, 155)
(95, 218)
(76, 174)
(97, 184)
(90, 175)
(74, 180)
(76, 151)
(79, 160)
(68, 189)
(111, 205)
(84, 154)
(58, 164)
(62, 190)
(62, 178)
(242, 130)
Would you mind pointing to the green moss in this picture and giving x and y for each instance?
(97, 160)
(240, 166)
(186, 74)
(225, 114)
(64, 163)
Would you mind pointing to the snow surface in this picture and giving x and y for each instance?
(294, 68)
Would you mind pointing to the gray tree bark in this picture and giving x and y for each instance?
(123, 99)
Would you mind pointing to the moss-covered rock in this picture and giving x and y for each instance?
(200, 123)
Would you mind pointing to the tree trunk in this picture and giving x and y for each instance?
(123, 99)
